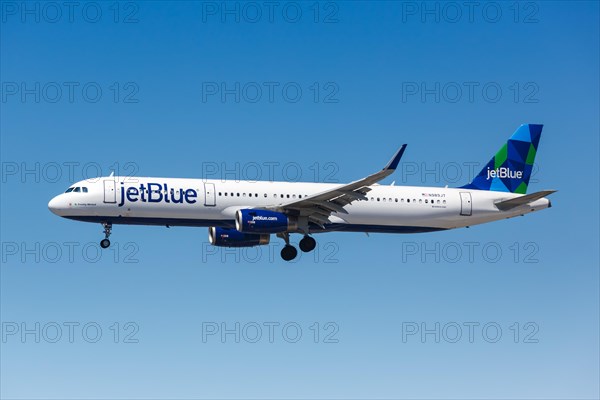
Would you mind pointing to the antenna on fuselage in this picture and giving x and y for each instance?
(112, 173)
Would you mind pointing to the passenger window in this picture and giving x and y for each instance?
(408, 200)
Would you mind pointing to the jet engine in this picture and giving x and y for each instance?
(263, 221)
(225, 237)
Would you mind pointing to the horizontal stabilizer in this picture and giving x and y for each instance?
(519, 201)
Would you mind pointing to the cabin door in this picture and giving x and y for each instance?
(466, 207)
(209, 195)
(110, 194)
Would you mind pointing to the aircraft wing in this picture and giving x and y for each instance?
(506, 205)
(319, 207)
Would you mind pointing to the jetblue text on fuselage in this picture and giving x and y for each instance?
(157, 193)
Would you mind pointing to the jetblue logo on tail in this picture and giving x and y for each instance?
(510, 168)
(503, 172)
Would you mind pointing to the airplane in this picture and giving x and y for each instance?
(245, 214)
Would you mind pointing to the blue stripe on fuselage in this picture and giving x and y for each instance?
(231, 224)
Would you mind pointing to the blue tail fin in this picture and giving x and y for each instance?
(510, 169)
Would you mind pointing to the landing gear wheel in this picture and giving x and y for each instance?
(307, 244)
(104, 243)
(289, 252)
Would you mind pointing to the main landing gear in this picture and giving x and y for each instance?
(307, 244)
(104, 243)
(289, 252)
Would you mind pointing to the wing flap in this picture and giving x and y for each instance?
(331, 206)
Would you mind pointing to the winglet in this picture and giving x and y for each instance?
(393, 164)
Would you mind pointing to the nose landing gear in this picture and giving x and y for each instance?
(104, 243)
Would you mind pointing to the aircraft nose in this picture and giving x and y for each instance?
(54, 205)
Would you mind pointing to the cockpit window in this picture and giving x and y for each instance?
(69, 190)
(77, 189)
(84, 189)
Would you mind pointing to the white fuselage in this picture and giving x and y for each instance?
(199, 202)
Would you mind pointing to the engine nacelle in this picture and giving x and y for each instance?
(263, 221)
(224, 237)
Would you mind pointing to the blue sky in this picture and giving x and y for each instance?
(329, 91)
